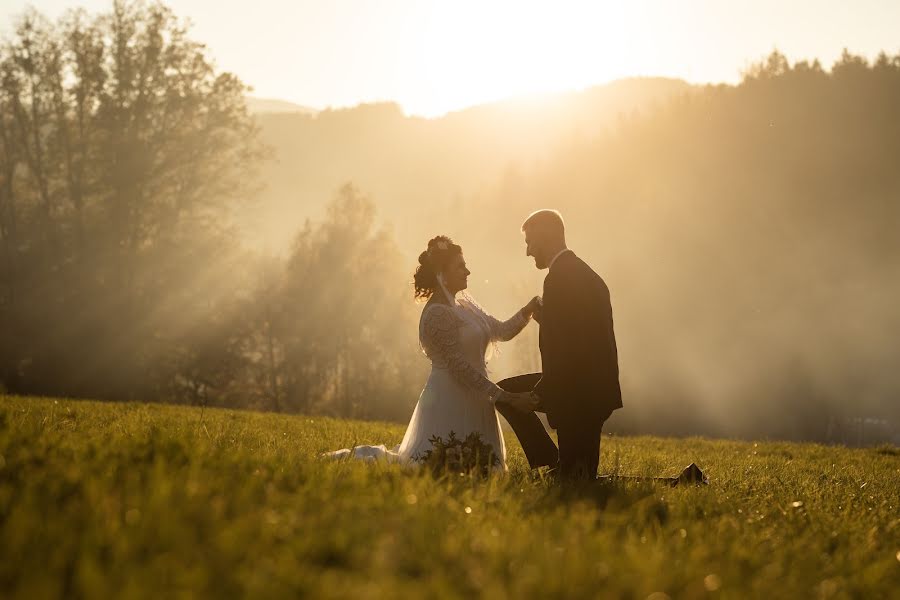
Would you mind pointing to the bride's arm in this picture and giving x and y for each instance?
(441, 331)
(503, 331)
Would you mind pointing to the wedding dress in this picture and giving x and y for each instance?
(458, 394)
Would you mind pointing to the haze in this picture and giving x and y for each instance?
(164, 238)
(432, 57)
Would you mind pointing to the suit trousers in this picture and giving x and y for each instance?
(578, 455)
(579, 449)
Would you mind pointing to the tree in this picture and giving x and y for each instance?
(123, 154)
(346, 321)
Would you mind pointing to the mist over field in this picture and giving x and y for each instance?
(747, 233)
(160, 241)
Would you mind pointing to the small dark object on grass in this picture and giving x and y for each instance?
(460, 456)
(691, 474)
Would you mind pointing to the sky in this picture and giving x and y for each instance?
(435, 56)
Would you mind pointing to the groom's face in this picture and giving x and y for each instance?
(534, 248)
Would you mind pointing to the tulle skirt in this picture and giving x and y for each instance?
(444, 406)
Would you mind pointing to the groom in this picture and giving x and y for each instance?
(579, 386)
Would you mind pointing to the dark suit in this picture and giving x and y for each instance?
(579, 386)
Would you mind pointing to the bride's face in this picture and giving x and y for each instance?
(456, 275)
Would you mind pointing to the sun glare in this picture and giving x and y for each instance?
(474, 53)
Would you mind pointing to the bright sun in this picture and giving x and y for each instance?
(493, 50)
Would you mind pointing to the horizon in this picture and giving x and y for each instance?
(526, 98)
(433, 59)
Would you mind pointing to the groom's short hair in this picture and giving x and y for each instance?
(546, 222)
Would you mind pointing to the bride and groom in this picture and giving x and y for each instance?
(579, 385)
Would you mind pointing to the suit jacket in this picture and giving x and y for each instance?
(579, 358)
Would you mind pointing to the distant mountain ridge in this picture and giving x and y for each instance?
(274, 105)
(415, 166)
(525, 103)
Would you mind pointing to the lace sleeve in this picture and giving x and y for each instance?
(441, 337)
(501, 331)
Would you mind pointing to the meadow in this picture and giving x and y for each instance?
(127, 500)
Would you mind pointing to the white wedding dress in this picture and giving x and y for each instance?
(457, 395)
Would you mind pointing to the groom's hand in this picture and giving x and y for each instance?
(536, 307)
(524, 401)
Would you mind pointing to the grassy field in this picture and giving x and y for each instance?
(130, 500)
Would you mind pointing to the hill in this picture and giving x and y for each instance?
(272, 105)
(143, 500)
(419, 169)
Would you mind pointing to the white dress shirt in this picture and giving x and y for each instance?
(553, 260)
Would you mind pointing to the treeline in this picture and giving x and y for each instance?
(125, 160)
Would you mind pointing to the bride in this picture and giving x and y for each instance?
(455, 334)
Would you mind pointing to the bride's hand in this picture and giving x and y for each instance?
(533, 308)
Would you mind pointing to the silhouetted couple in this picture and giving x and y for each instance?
(579, 385)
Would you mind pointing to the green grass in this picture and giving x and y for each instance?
(132, 500)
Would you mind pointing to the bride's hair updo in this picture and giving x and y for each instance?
(434, 260)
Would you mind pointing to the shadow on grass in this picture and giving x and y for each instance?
(610, 493)
(603, 494)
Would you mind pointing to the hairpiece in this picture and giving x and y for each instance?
(440, 245)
